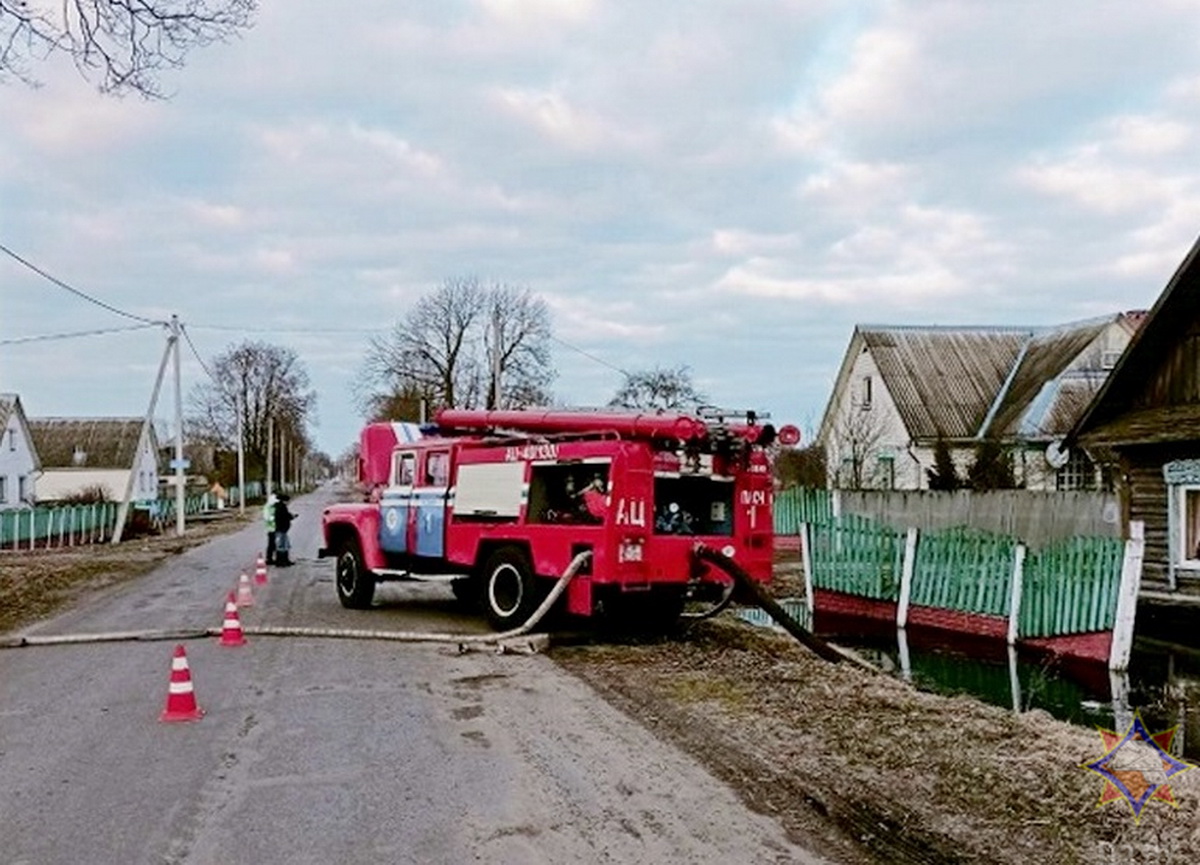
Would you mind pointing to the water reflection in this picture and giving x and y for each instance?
(1162, 683)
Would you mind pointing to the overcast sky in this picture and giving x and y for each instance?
(731, 186)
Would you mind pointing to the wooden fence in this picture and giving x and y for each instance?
(964, 569)
(72, 525)
(1071, 588)
(1077, 586)
(856, 556)
(1038, 518)
(28, 528)
(796, 506)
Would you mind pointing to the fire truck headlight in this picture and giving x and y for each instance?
(727, 551)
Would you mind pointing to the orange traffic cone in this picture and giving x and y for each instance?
(245, 598)
(260, 570)
(181, 700)
(231, 628)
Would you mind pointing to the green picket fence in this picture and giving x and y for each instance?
(163, 510)
(798, 505)
(1071, 587)
(857, 556)
(23, 529)
(964, 569)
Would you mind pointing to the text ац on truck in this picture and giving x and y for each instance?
(501, 502)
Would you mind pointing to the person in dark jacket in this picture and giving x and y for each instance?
(283, 522)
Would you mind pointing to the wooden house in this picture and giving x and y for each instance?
(82, 454)
(1146, 422)
(901, 389)
(19, 462)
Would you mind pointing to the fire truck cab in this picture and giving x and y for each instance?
(499, 502)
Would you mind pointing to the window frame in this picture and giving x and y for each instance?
(1178, 555)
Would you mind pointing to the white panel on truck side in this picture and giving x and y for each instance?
(489, 489)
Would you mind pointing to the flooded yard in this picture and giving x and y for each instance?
(1162, 683)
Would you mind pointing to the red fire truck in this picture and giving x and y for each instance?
(499, 502)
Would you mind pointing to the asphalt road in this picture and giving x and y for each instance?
(333, 751)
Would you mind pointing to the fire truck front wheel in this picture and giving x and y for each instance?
(510, 590)
(355, 584)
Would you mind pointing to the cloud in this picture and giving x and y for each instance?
(533, 13)
(561, 121)
(673, 178)
(583, 320)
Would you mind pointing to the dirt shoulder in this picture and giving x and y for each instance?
(35, 584)
(872, 770)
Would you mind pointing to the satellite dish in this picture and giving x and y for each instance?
(1057, 454)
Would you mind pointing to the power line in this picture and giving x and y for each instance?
(299, 330)
(188, 337)
(74, 290)
(590, 356)
(53, 336)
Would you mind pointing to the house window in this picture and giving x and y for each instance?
(12, 439)
(3, 489)
(846, 473)
(22, 492)
(1078, 474)
(1189, 509)
(866, 392)
(885, 472)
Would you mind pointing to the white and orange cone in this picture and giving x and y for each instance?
(260, 570)
(231, 627)
(245, 597)
(181, 699)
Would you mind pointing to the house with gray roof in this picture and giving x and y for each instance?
(81, 454)
(902, 388)
(19, 462)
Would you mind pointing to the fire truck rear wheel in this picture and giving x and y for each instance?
(510, 590)
(355, 584)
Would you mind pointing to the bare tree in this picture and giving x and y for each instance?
(518, 348)
(857, 434)
(455, 344)
(269, 386)
(122, 44)
(658, 388)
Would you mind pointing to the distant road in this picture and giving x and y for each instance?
(333, 751)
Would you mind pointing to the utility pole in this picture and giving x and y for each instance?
(241, 454)
(180, 464)
(270, 450)
(143, 438)
(496, 330)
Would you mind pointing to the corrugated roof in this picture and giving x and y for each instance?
(102, 442)
(944, 380)
(1058, 405)
(1048, 354)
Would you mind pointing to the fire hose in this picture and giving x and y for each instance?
(747, 584)
(328, 633)
(741, 579)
